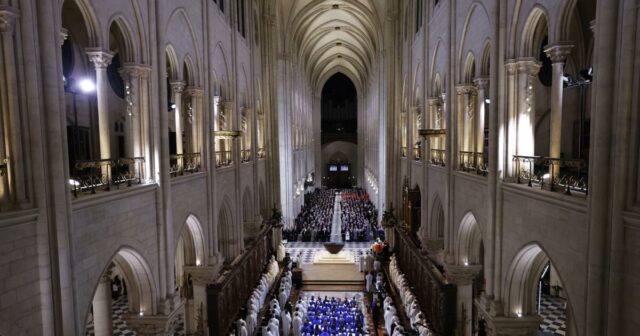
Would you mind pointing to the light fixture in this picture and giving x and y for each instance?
(86, 85)
(487, 100)
(466, 263)
(74, 183)
(173, 106)
(197, 262)
(141, 313)
(519, 314)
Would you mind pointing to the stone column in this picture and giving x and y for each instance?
(11, 133)
(558, 54)
(196, 316)
(102, 315)
(482, 84)
(195, 94)
(527, 70)
(131, 75)
(436, 121)
(460, 112)
(512, 118)
(416, 112)
(177, 87)
(101, 59)
(463, 277)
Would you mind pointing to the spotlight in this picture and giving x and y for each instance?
(487, 100)
(173, 106)
(86, 85)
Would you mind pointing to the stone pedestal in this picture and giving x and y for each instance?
(513, 326)
(102, 315)
(463, 277)
(196, 318)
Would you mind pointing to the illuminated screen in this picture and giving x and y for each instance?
(333, 168)
(344, 168)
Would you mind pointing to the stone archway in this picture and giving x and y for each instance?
(526, 296)
(126, 288)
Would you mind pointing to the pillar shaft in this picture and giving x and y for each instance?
(481, 85)
(557, 54)
(527, 70)
(102, 315)
(12, 142)
(102, 59)
(512, 120)
(176, 88)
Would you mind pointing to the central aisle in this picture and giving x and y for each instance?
(336, 224)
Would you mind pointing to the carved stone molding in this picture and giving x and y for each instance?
(100, 58)
(558, 52)
(194, 91)
(466, 88)
(481, 82)
(147, 325)
(460, 274)
(227, 134)
(425, 133)
(528, 66)
(513, 326)
(8, 18)
(203, 275)
(177, 86)
(512, 67)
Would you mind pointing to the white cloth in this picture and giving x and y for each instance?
(286, 324)
(369, 279)
(297, 326)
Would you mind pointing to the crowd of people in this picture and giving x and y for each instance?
(359, 216)
(329, 316)
(248, 325)
(313, 223)
(409, 301)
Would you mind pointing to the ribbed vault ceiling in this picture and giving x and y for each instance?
(332, 36)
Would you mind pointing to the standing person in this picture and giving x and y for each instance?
(369, 279)
(286, 323)
(297, 325)
(375, 313)
(115, 290)
(369, 262)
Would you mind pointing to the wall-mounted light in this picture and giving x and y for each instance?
(173, 106)
(86, 85)
(487, 100)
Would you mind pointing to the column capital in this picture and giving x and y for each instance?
(558, 52)
(481, 82)
(64, 35)
(512, 326)
(528, 65)
(203, 275)
(466, 88)
(177, 86)
(511, 66)
(100, 58)
(194, 91)
(434, 101)
(147, 325)
(8, 18)
(460, 274)
(416, 109)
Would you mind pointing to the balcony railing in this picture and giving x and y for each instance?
(416, 154)
(90, 176)
(245, 155)
(223, 159)
(474, 162)
(262, 153)
(438, 157)
(554, 174)
(403, 152)
(184, 163)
